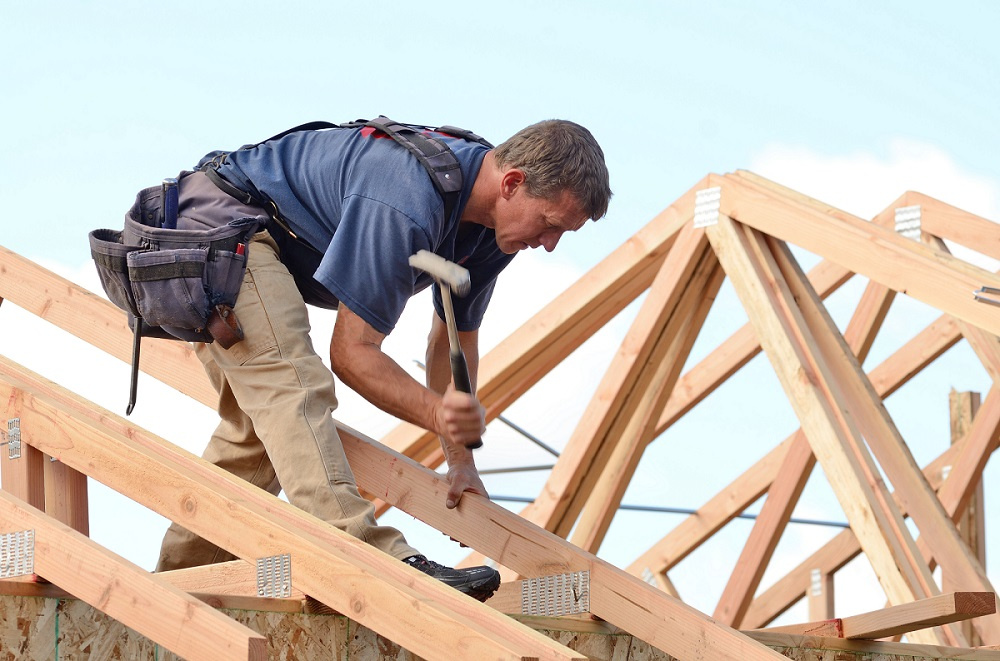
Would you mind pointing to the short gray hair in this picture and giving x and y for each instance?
(557, 155)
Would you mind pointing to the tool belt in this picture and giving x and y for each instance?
(173, 283)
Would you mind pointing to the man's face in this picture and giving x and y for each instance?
(524, 221)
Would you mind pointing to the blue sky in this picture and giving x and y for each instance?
(850, 102)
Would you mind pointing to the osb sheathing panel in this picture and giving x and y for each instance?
(32, 627)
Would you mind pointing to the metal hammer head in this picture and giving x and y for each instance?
(445, 272)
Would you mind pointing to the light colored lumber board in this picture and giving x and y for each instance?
(889, 376)
(236, 578)
(766, 532)
(953, 224)
(66, 496)
(901, 619)
(513, 542)
(337, 569)
(830, 558)
(805, 377)
(126, 592)
(633, 424)
(887, 445)
(97, 321)
(941, 281)
(962, 407)
(735, 352)
(556, 506)
(783, 496)
(820, 595)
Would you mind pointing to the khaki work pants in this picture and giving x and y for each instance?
(275, 399)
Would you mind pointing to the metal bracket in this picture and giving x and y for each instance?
(13, 441)
(984, 299)
(647, 575)
(17, 554)
(274, 576)
(908, 222)
(707, 203)
(815, 582)
(562, 594)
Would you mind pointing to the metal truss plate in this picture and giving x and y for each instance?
(707, 203)
(274, 576)
(14, 438)
(17, 553)
(908, 222)
(562, 594)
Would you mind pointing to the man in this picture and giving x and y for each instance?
(367, 204)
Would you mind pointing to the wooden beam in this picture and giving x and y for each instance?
(236, 577)
(953, 224)
(766, 532)
(66, 497)
(837, 648)
(901, 619)
(889, 376)
(941, 281)
(634, 422)
(330, 565)
(96, 320)
(782, 497)
(806, 378)
(513, 542)
(126, 592)
(830, 558)
(558, 505)
(820, 595)
(725, 360)
(971, 524)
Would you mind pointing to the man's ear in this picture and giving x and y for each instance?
(509, 182)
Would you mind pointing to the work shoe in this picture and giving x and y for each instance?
(477, 582)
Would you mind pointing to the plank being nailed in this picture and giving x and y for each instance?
(128, 593)
(622, 600)
(337, 569)
(805, 376)
(901, 619)
(942, 281)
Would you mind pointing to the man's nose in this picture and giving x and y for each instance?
(550, 240)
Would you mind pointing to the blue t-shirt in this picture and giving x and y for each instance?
(372, 205)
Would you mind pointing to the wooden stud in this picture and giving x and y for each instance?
(820, 595)
(66, 496)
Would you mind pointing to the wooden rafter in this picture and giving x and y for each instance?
(337, 569)
(126, 592)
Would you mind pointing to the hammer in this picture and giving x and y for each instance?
(450, 277)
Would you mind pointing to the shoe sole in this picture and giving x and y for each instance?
(483, 590)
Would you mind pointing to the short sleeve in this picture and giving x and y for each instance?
(366, 265)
